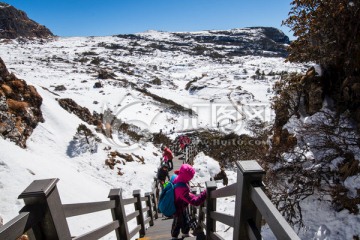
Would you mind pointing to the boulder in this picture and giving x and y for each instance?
(20, 110)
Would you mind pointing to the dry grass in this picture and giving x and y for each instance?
(18, 84)
(17, 106)
(342, 201)
(349, 167)
(333, 141)
(19, 125)
(161, 139)
(172, 105)
(131, 131)
(6, 89)
(229, 148)
(34, 93)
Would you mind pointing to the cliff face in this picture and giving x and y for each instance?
(19, 107)
(15, 23)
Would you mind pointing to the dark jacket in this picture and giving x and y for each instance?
(162, 174)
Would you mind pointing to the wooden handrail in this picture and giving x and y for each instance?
(250, 204)
(279, 226)
(140, 220)
(99, 232)
(132, 215)
(77, 209)
(16, 227)
(44, 216)
(28, 217)
(147, 220)
(134, 231)
(224, 218)
(227, 191)
(190, 153)
(253, 231)
(129, 201)
(215, 236)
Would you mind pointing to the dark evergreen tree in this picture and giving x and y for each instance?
(328, 33)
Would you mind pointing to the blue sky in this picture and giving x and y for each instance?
(110, 17)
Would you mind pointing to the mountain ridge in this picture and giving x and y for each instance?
(15, 23)
(258, 41)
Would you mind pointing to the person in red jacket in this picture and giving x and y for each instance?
(183, 197)
(168, 157)
(184, 141)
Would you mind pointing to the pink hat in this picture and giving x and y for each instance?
(186, 173)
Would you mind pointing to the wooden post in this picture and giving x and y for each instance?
(140, 217)
(150, 211)
(193, 209)
(245, 210)
(190, 160)
(118, 213)
(154, 204)
(210, 207)
(54, 224)
(192, 154)
(156, 187)
(201, 215)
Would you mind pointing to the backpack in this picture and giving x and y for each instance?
(167, 199)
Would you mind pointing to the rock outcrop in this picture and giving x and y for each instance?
(309, 88)
(257, 41)
(19, 107)
(82, 112)
(15, 23)
(313, 91)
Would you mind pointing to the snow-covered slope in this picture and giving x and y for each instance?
(212, 78)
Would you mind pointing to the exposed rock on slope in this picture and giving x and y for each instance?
(19, 107)
(309, 89)
(257, 41)
(82, 112)
(15, 23)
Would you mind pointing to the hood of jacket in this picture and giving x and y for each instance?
(186, 173)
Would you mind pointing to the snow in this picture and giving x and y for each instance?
(353, 185)
(321, 219)
(83, 175)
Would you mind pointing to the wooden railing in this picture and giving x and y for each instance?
(44, 216)
(190, 153)
(251, 206)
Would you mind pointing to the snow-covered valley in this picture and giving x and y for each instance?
(224, 91)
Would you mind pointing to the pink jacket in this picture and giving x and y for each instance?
(183, 196)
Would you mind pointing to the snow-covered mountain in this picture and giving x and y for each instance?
(151, 82)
